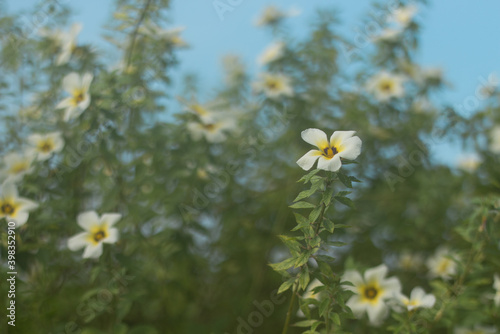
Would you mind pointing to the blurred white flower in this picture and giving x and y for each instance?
(98, 230)
(65, 40)
(385, 86)
(14, 207)
(342, 144)
(273, 85)
(495, 140)
(371, 292)
(496, 286)
(410, 261)
(272, 53)
(403, 16)
(16, 165)
(212, 129)
(469, 162)
(418, 299)
(388, 35)
(477, 330)
(46, 145)
(441, 264)
(423, 105)
(78, 87)
(272, 15)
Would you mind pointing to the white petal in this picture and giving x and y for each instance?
(110, 218)
(357, 306)
(377, 312)
(376, 274)
(9, 190)
(71, 82)
(87, 219)
(417, 293)
(92, 251)
(34, 139)
(66, 103)
(308, 159)
(78, 241)
(64, 56)
(112, 237)
(391, 285)
(350, 148)
(21, 218)
(339, 136)
(315, 137)
(75, 30)
(331, 165)
(86, 80)
(26, 204)
(354, 277)
(428, 301)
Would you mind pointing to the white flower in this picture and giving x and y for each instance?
(477, 330)
(418, 298)
(495, 140)
(78, 87)
(469, 162)
(385, 86)
(274, 85)
(388, 35)
(14, 207)
(441, 264)
(371, 292)
(403, 16)
(66, 41)
(496, 286)
(47, 144)
(212, 129)
(410, 261)
(342, 144)
(272, 53)
(98, 230)
(16, 165)
(272, 15)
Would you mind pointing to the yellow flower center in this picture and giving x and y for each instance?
(78, 96)
(98, 233)
(46, 146)
(210, 127)
(329, 152)
(199, 110)
(444, 265)
(19, 167)
(273, 84)
(370, 292)
(8, 209)
(386, 86)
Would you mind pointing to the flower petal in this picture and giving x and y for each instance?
(112, 236)
(354, 277)
(9, 190)
(21, 218)
(339, 136)
(376, 274)
(26, 204)
(357, 306)
(86, 81)
(331, 165)
(87, 219)
(315, 137)
(78, 241)
(71, 82)
(308, 159)
(350, 148)
(92, 251)
(377, 312)
(110, 218)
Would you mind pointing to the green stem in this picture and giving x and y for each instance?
(290, 308)
(135, 32)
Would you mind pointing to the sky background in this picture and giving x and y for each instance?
(460, 36)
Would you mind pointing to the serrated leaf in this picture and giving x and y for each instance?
(304, 278)
(286, 285)
(308, 176)
(344, 179)
(329, 225)
(325, 258)
(283, 265)
(302, 259)
(327, 196)
(290, 242)
(325, 269)
(315, 214)
(302, 205)
(323, 306)
(335, 319)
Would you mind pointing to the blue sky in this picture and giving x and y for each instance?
(461, 36)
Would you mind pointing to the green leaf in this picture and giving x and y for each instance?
(302, 259)
(302, 205)
(304, 278)
(325, 258)
(335, 243)
(329, 225)
(327, 196)
(335, 319)
(290, 242)
(323, 306)
(306, 193)
(286, 285)
(304, 323)
(283, 265)
(315, 214)
(344, 179)
(346, 201)
(308, 176)
(325, 268)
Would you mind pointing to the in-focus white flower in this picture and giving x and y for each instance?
(477, 330)
(496, 286)
(342, 144)
(14, 207)
(65, 40)
(272, 53)
(98, 230)
(46, 145)
(418, 298)
(212, 129)
(410, 261)
(441, 264)
(272, 15)
(78, 87)
(495, 140)
(274, 85)
(403, 16)
(16, 165)
(371, 292)
(469, 162)
(388, 35)
(385, 86)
